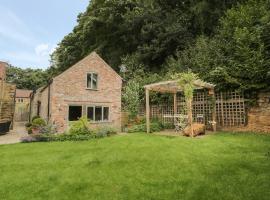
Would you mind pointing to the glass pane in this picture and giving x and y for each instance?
(94, 81)
(98, 113)
(105, 113)
(89, 80)
(90, 113)
(75, 112)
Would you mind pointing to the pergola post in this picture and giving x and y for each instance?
(175, 103)
(147, 111)
(214, 118)
(190, 117)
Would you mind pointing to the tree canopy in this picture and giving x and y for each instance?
(152, 30)
(226, 42)
(237, 56)
(28, 78)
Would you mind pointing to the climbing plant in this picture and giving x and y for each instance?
(186, 82)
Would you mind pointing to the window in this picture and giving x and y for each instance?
(74, 113)
(98, 113)
(20, 100)
(92, 81)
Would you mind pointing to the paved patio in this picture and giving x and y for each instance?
(14, 135)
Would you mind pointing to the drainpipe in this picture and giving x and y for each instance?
(49, 99)
(31, 104)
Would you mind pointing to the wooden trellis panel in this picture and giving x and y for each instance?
(230, 109)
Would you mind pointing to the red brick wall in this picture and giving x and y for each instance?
(69, 88)
(259, 116)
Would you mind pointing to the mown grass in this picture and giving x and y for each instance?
(139, 166)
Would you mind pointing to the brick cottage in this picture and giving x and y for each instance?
(89, 88)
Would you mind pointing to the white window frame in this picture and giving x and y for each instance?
(94, 113)
(92, 73)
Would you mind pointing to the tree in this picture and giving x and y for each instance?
(237, 55)
(28, 78)
(131, 98)
(151, 29)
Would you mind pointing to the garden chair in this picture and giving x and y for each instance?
(180, 123)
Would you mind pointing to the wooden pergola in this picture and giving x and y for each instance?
(173, 87)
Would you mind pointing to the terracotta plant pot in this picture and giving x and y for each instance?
(35, 130)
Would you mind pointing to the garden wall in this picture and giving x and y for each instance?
(7, 100)
(259, 115)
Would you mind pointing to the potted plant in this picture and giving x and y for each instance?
(37, 125)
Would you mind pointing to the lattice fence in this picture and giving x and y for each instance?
(230, 109)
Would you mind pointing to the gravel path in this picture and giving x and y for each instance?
(14, 135)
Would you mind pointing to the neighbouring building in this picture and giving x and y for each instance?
(7, 100)
(89, 88)
(22, 108)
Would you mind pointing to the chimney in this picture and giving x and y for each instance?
(3, 66)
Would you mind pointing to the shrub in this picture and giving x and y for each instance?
(80, 127)
(48, 129)
(29, 130)
(28, 124)
(155, 127)
(36, 126)
(35, 117)
(105, 131)
(168, 126)
(38, 123)
(137, 128)
(54, 138)
(68, 137)
(79, 131)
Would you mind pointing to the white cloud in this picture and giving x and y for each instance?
(19, 44)
(44, 50)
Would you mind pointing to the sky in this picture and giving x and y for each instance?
(31, 29)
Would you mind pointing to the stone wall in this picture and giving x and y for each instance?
(44, 104)
(7, 102)
(7, 97)
(259, 115)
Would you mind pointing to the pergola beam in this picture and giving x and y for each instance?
(173, 87)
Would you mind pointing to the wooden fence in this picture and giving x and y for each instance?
(230, 109)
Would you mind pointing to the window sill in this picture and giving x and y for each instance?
(91, 89)
(93, 122)
(100, 122)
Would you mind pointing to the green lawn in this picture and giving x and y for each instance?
(139, 166)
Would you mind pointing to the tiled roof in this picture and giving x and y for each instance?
(23, 93)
